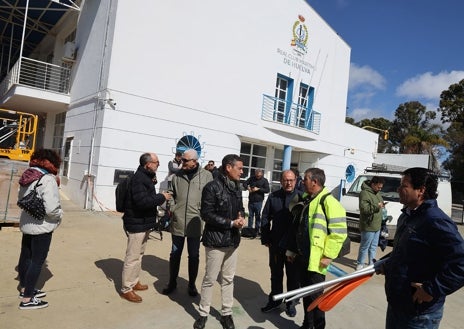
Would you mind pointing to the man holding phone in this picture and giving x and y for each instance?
(371, 206)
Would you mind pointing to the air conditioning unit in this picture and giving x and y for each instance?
(69, 50)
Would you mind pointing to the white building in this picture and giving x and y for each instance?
(266, 79)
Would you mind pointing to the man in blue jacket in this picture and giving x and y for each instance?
(427, 261)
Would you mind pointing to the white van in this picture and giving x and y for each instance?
(389, 192)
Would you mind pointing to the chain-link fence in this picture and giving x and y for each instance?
(10, 172)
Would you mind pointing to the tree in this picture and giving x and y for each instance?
(350, 121)
(414, 131)
(452, 103)
(452, 111)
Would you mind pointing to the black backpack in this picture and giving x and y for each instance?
(122, 192)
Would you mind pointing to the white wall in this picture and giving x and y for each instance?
(181, 67)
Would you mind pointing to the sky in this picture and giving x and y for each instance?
(401, 51)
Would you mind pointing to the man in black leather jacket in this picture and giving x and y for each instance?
(223, 213)
(139, 219)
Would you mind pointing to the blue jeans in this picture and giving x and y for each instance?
(254, 210)
(396, 319)
(34, 251)
(368, 246)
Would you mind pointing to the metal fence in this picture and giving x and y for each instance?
(290, 114)
(37, 74)
(10, 172)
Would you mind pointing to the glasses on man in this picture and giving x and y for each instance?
(186, 160)
(288, 180)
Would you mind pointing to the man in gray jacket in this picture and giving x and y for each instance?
(186, 189)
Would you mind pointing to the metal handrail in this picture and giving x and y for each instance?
(37, 74)
(291, 114)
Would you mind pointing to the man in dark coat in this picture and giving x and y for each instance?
(139, 219)
(277, 220)
(257, 186)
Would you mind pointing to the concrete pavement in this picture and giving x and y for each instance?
(83, 274)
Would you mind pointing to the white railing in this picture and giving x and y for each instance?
(290, 114)
(37, 74)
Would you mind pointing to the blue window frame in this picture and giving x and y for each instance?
(308, 124)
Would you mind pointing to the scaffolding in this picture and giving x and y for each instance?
(18, 132)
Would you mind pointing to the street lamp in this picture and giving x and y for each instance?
(386, 133)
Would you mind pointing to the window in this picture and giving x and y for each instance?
(305, 106)
(67, 156)
(277, 169)
(389, 191)
(302, 105)
(58, 131)
(188, 142)
(71, 36)
(254, 157)
(283, 98)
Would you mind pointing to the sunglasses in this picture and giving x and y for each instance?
(186, 160)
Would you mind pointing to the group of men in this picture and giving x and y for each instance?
(303, 241)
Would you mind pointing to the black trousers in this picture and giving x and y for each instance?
(277, 263)
(34, 251)
(314, 319)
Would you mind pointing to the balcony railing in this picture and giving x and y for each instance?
(291, 114)
(37, 74)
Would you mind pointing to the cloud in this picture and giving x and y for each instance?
(365, 77)
(428, 86)
(359, 114)
(363, 96)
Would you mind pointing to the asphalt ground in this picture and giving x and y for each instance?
(82, 278)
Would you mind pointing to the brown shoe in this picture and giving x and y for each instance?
(140, 286)
(131, 296)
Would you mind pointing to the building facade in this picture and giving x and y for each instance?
(265, 79)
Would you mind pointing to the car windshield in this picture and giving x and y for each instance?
(389, 191)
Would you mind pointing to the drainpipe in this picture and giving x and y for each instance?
(98, 106)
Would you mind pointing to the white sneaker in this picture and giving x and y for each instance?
(359, 267)
(33, 304)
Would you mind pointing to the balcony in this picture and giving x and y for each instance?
(36, 86)
(290, 114)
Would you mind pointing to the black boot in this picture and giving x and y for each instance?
(174, 264)
(193, 272)
(227, 322)
(200, 322)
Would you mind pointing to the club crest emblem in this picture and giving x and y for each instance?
(300, 36)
